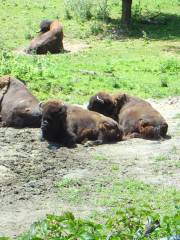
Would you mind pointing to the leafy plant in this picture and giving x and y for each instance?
(63, 227)
(84, 10)
(102, 10)
(80, 9)
(96, 28)
(171, 65)
(128, 223)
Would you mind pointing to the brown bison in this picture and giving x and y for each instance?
(50, 39)
(69, 124)
(136, 116)
(18, 107)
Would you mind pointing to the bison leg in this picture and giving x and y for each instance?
(70, 138)
(152, 132)
(110, 132)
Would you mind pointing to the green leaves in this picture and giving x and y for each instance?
(64, 227)
(127, 223)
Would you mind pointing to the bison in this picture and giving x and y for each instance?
(18, 107)
(137, 117)
(68, 124)
(50, 39)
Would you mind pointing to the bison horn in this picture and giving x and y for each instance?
(100, 100)
(41, 105)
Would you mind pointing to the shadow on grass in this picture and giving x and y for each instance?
(162, 27)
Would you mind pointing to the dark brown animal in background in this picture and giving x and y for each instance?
(49, 40)
(137, 117)
(18, 107)
(68, 125)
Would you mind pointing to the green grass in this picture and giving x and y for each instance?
(136, 68)
(135, 64)
(110, 192)
(167, 162)
(177, 116)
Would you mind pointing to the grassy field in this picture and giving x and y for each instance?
(144, 61)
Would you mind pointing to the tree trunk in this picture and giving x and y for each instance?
(126, 12)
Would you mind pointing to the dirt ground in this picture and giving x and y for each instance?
(69, 47)
(29, 170)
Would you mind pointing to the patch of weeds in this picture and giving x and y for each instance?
(114, 167)
(99, 157)
(80, 9)
(137, 10)
(145, 37)
(177, 116)
(164, 82)
(164, 163)
(69, 182)
(171, 65)
(72, 190)
(102, 10)
(161, 158)
(96, 28)
(177, 164)
(85, 10)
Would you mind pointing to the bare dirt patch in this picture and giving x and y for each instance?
(75, 47)
(70, 47)
(29, 170)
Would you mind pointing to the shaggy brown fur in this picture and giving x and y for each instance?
(50, 39)
(68, 124)
(18, 107)
(136, 116)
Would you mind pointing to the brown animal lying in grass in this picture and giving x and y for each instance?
(136, 116)
(68, 125)
(50, 39)
(18, 107)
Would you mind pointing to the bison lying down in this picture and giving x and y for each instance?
(50, 39)
(136, 116)
(18, 107)
(68, 125)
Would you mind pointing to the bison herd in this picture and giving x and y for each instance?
(108, 118)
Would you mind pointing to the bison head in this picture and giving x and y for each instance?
(45, 26)
(119, 100)
(102, 103)
(53, 125)
(114, 132)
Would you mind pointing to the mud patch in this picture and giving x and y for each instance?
(29, 171)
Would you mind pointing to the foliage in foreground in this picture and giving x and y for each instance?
(128, 223)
